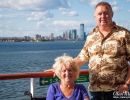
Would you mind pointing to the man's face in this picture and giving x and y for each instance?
(103, 16)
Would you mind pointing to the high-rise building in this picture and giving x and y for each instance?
(82, 31)
(52, 36)
(70, 34)
(66, 35)
(74, 33)
(38, 37)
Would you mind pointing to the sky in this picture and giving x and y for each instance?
(20, 18)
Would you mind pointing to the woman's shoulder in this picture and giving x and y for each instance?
(80, 86)
(54, 85)
(54, 88)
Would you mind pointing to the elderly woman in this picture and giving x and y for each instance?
(66, 70)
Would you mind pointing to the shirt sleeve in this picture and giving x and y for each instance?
(128, 45)
(84, 55)
(50, 93)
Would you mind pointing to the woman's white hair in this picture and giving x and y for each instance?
(65, 61)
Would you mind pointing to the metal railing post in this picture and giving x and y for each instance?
(32, 86)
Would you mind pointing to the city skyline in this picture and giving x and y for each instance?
(29, 17)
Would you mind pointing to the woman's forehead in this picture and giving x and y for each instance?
(66, 67)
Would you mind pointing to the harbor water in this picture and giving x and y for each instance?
(18, 57)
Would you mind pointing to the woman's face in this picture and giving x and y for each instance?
(103, 16)
(68, 75)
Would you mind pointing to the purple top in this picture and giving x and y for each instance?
(55, 93)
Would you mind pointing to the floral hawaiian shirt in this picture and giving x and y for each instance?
(107, 57)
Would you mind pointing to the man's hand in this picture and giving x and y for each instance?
(122, 88)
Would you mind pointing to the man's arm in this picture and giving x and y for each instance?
(125, 87)
(128, 76)
(127, 81)
(79, 62)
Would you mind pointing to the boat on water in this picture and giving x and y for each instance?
(45, 78)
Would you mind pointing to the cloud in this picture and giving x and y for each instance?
(64, 23)
(18, 4)
(114, 6)
(55, 24)
(33, 4)
(40, 9)
(60, 24)
(54, 4)
(68, 12)
(1, 16)
(94, 2)
(38, 16)
(71, 13)
(41, 24)
(91, 2)
(67, 24)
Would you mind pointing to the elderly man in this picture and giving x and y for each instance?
(107, 52)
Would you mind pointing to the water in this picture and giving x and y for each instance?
(30, 57)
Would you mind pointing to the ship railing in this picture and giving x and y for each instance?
(46, 78)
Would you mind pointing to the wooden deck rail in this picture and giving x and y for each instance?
(32, 75)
